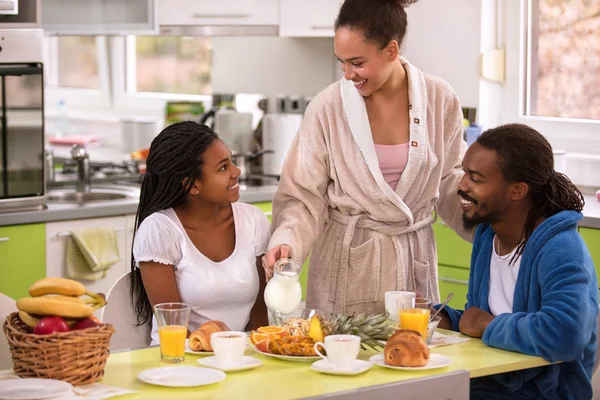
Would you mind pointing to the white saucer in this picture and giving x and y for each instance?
(184, 376)
(359, 367)
(33, 388)
(247, 363)
(435, 361)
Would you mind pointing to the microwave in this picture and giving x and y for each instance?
(22, 184)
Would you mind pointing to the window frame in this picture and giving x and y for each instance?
(570, 134)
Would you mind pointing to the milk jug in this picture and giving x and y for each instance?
(283, 292)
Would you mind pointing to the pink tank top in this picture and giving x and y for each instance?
(392, 161)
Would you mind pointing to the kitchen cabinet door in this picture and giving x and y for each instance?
(591, 237)
(455, 280)
(57, 235)
(22, 258)
(99, 17)
(308, 18)
(222, 12)
(452, 249)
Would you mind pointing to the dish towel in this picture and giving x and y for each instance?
(91, 253)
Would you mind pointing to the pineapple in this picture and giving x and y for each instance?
(371, 328)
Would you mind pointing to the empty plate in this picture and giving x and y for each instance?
(358, 367)
(33, 388)
(183, 376)
(247, 363)
(435, 361)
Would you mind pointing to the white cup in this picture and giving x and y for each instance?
(341, 350)
(229, 347)
(391, 302)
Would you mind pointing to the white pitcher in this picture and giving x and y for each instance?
(283, 293)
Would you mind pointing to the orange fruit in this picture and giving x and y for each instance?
(263, 345)
(256, 337)
(276, 331)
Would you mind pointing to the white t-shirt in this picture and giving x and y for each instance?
(225, 290)
(503, 279)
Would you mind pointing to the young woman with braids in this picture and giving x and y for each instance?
(532, 286)
(194, 242)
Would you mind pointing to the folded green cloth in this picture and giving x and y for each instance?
(91, 252)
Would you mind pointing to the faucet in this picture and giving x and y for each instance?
(81, 157)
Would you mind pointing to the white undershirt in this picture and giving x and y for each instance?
(224, 290)
(503, 279)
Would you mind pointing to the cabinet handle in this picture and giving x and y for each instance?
(452, 280)
(268, 213)
(238, 16)
(321, 27)
(4, 239)
(67, 234)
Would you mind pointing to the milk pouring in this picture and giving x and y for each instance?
(283, 292)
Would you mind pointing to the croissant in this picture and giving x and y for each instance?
(200, 338)
(406, 349)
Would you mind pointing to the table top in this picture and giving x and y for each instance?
(278, 379)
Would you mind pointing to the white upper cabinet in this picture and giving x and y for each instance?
(99, 17)
(308, 18)
(218, 12)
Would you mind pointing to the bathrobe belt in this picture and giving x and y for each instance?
(393, 230)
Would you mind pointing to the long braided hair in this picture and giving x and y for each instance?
(526, 156)
(175, 158)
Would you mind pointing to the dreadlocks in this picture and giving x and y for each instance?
(526, 156)
(174, 163)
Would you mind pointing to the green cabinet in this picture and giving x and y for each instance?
(267, 207)
(591, 237)
(454, 259)
(22, 258)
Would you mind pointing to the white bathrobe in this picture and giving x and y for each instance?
(367, 237)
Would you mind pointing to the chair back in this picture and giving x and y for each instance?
(119, 312)
(7, 306)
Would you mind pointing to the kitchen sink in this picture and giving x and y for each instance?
(97, 194)
(77, 197)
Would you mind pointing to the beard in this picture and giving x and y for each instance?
(471, 222)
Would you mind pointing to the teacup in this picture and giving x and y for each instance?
(229, 347)
(341, 350)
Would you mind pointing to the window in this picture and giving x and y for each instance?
(563, 71)
(76, 62)
(170, 65)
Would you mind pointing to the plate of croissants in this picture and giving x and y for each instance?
(406, 350)
(291, 348)
(199, 340)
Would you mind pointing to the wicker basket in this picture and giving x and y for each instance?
(77, 357)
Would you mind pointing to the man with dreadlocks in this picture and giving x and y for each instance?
(194, 242)
(532, 288)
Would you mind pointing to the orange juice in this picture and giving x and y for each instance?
(415, 319)
(172, 340)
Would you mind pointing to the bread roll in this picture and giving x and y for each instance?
(406, 349)
(200, 338)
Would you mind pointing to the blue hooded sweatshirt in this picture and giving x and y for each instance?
(554, 316)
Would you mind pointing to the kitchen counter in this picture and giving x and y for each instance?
(70, 211)
(251, 194)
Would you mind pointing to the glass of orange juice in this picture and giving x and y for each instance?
(415, 318)
(172, 321)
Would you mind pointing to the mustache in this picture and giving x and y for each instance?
(466, 196)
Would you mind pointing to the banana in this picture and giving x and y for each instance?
(28, 319)
(67, 299)
(32, 321)
(48, 306)
(65, 287)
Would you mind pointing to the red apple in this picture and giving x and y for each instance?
(50, 325)
(84, 324)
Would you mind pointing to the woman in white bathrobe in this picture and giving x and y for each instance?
(376, 154)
